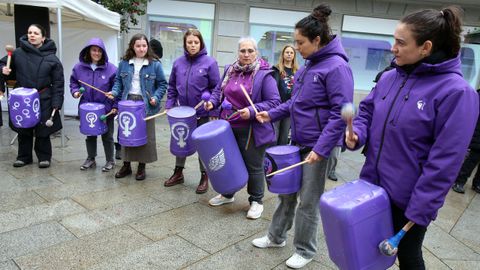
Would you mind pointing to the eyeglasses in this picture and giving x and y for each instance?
(244, 51)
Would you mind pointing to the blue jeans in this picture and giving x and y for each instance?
(307, 214)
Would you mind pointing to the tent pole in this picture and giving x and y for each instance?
(60, 56)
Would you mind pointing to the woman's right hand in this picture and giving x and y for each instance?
(109, 95)
(76, 94)
(6, 71)
(208, 106)
(351, 140)
(263, 117)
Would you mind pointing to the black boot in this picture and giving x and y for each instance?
(140, 172)
(124, 171)
(203, 185)
(176, 178)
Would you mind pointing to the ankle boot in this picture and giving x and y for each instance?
(203, 185)
(140, 172)
(176, 178)
(124, 171)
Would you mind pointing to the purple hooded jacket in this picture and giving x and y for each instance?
(418, 127)
(264, 96)
(102, 77)
(321, 88)
(190, 77)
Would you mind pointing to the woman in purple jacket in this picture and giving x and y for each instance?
(94, 69)
(252, 137)
(417, 123)
(321, 87)
(192, 74)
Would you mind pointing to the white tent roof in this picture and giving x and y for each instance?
(83, 10)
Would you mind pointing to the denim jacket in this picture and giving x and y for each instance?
(152, 83)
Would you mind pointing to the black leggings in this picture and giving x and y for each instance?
(410, 248)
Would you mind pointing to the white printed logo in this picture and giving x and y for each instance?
(127, 122)
(217, 162)
(421, 104)
(180, 132)
(91, 118)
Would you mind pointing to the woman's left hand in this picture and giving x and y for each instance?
(152, 101)
(313, 157)
(244, 113)
(114, 110)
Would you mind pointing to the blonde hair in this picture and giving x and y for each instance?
(281, 61)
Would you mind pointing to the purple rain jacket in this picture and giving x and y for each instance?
(102, 77)
(190, 77)
(418, 127)
(264, 96)
(321, 88)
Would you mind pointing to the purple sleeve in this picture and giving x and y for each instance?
(213, 81)
(362, 121)
(172, 92)
(74, 85)
(269, 96)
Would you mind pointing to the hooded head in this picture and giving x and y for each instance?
(85, 55)
(156, 48)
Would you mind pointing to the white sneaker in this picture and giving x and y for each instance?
(297, 261)
(219, 200)
(255, 210)
(264, 242)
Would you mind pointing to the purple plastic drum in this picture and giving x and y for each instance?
(90, 122)
(24, 105)
(183, 121)
(218, 150)
(356, 217)
(279, 157)
(132, 129)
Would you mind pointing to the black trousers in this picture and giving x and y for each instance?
(471, 161)
(43, 148)
(410, 248)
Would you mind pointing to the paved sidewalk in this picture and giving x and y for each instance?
(64, 218)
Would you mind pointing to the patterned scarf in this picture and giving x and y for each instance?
(237, 68)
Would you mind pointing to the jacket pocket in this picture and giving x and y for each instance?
(149, 81)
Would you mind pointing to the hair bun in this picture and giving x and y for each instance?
(321, 12)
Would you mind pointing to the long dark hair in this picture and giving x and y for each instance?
(88, 58)
(442, 28)
(316, 24)
(130, 52)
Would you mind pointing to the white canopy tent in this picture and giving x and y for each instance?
(72, 24)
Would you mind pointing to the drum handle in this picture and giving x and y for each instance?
(248, 98)
(287, 168)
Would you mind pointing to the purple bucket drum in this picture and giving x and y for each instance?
(24, 104)
(218, 150)
(183, 121)
(356, 217)
(279, 157)
(132, 129)
(90, 119)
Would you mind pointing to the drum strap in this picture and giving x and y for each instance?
(42, 90)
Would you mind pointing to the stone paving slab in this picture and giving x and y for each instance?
(468, 227)
(28, 216)
(10, 201)
(100, 219)
(170, 253)
(26, 183)
(8, 265)
(463, 265)
(32, 239)
(87, 251)
(106, 198)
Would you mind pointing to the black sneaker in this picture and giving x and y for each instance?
(459, 188)
(476, 188)
(332, 176)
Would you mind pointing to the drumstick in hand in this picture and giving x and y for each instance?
(248, 98)
(348, 111)
(93, 87)
(103, 117)
(9, 49)
(49, 122)
(287, 168)
(155, 115)
(389, 247)
(205, 98)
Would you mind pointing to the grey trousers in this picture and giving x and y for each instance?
(180, 161)
(253, 157)
(307, 214)
(282, 129)
(107, 139)
(332, 160)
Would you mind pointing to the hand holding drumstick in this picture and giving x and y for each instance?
(348, 112)
(6, 69)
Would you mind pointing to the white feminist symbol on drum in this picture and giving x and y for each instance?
(180, 132)
(16, 104)
(19, 119)
(27, 101)
(127, 123)
(91, 118)
(36, 107)
(26, 113)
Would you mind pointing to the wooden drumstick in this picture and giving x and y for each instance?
(205, 98)
(93, 87)
(104, 116)
(155, 115)
(9, 49)
(287, 168)
(348, 111)
(248, 98)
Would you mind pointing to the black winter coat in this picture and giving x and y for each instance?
(475, 142)
(41, 69)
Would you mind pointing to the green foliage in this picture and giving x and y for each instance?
(128, 10)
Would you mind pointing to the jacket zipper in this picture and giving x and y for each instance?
(186, 81)
(385, 126)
